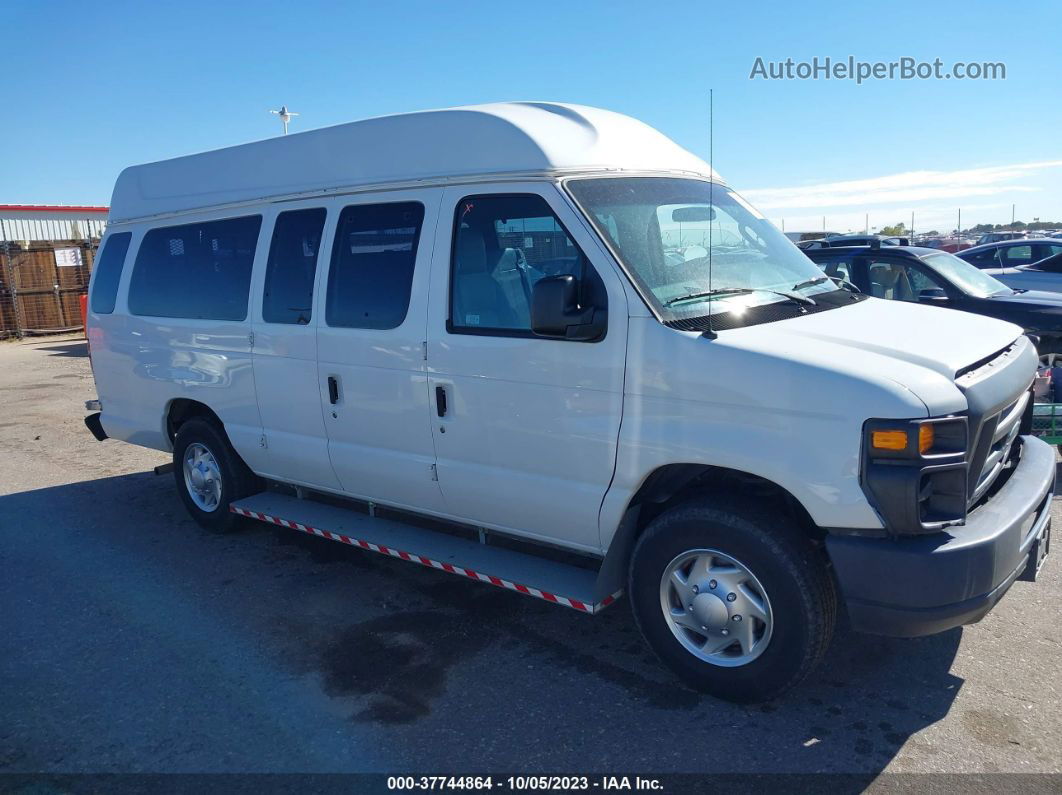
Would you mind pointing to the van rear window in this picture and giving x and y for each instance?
(372, 265)
(200, 271)
(108, 268)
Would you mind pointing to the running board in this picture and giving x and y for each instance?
(555, 582)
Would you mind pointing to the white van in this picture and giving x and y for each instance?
(543, 347)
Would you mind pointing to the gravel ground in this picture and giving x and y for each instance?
(133, 640)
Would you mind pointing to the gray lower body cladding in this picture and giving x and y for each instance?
(919, 585)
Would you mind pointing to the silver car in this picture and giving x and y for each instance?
(1029, 264)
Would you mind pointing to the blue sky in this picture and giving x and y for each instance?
(90, 91)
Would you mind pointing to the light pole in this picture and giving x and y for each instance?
(285, 116)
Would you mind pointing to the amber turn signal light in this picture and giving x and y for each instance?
(925, 438)
(889, 440)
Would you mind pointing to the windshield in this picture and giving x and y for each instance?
(663, 229)
(964, 275)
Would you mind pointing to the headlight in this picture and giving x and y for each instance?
(914, 472)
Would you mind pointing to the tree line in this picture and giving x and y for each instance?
(898, 230)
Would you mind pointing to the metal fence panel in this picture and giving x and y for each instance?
(39, 289)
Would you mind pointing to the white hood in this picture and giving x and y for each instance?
(917, 349)
(943, 340)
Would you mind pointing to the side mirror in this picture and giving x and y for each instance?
(932, 294)
(556, 313)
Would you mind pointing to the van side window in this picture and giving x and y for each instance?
(198, 271)
(108, 267)
(373, 257)
(288, 296)
(502, 246)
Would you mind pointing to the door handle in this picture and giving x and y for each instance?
(440, 400)
(333, 390)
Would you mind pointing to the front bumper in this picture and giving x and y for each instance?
(919, 585)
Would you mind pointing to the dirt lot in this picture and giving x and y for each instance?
(132, 640)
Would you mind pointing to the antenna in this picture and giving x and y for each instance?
(710, 333)
(285, 116)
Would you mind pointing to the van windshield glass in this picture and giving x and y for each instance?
(662, 229)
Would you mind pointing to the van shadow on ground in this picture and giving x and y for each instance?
(71, 349)
(444, 667)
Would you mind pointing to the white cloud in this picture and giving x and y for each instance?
(909, 187)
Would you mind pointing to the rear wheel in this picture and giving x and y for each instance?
(209, 474)
(732, 597)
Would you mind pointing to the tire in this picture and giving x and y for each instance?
(773, 558)
(217, 471)
(1049, 353)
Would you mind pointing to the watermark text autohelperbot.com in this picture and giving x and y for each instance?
(905, 68)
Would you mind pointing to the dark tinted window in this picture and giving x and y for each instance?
(372, 265)
(1051, 264)
(196, 270)
(984, 259)
(502, 246)
(288, 296)
(108, 268)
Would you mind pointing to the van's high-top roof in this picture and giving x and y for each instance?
(517, 138)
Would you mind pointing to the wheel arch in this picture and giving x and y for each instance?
(672, 484)
(180, 410)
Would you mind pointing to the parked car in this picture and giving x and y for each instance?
(1031, 264)
(799, 237)
(996, 237)
(929, 276)
(948, 244)
(1043, 275)
(461, 326)
(1012, 253)
(851, 240)
(867, 240)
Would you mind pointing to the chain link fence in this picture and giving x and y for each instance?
(41, 284)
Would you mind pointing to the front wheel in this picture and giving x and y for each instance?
(732, 597)
(209, 474)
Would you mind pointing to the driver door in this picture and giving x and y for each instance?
(525, 428)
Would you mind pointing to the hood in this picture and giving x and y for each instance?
(939, 339)
(1031, 298)
(906, 350)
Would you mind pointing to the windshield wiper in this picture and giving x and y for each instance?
(810, 282)
(841, 282)
(709, 294)
(800, 299)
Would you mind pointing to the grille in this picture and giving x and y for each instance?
(994, 445)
